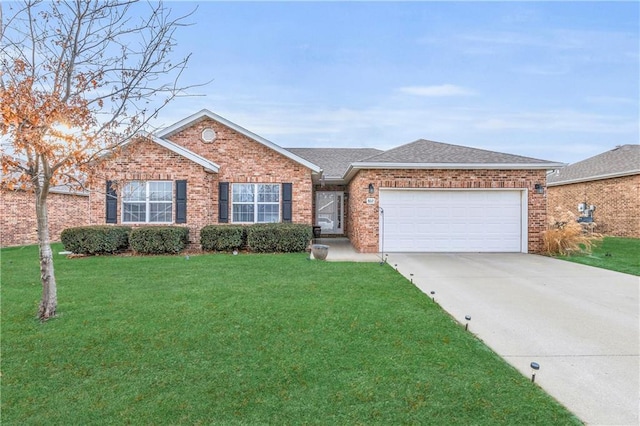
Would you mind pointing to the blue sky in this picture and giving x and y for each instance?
(551, 80)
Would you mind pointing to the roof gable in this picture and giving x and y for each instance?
(205, 113)
(621, 161)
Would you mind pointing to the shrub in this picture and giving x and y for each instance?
(96, 239)
(223, 237)
(566, 236)
(278, 237)
(159, 239)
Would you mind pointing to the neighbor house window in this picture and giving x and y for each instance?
(255, 203)
(147, 202)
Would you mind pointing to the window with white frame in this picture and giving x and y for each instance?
(147, 202)
(255, 203)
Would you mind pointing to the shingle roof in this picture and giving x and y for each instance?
(430, 152)
(334, 161)
(621, 161)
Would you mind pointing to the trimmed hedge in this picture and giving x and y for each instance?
(159, 239)
(278, 237)
(223, 237)
(96, 239)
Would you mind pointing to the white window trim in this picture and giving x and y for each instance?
(148, 202)
(255, 202)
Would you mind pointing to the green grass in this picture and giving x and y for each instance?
(614, 253)
(249, 339)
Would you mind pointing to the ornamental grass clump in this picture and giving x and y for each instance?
(566, 236)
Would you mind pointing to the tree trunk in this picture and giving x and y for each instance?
(49, 301)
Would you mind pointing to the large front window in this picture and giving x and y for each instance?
(147, 202)
(256, 203)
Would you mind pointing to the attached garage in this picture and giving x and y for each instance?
(437, 220)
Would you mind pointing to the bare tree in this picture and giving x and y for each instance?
(77, 80)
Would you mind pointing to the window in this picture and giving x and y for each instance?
(256, 203)
(147, 202)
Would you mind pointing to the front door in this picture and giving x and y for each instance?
(330, 211)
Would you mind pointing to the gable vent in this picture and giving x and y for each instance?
(208, 135)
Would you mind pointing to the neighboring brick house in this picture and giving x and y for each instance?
(423, 196)
(609, 181)
(18, 224)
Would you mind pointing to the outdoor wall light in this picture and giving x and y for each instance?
(539, 188)
(370, 188)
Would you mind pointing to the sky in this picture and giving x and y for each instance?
(552, 80)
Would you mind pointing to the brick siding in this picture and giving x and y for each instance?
(241, 160)
(363, 218)
(617, 202)
(18, 224)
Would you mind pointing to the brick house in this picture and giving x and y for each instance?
(610, 181)
(18, 224)
(422, 196)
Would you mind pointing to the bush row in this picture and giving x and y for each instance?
(261, 238)
(96, 239)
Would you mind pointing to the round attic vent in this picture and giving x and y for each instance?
(208, 135)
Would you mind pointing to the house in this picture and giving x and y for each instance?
(18, 224)
(422, 196)
(610, 182)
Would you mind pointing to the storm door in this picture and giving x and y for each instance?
(330, 211)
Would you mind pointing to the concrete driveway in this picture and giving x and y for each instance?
(579, 323)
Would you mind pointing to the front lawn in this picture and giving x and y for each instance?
(247, 339)
(614, 253)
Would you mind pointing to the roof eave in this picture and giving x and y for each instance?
(322, 180)
(205, 113)
(592, 178)
(69, 192)
(353, 168)
(208, 165)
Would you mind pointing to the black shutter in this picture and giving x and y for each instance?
(223, 205)
(181, 201)
(287, 201)
(112, 203)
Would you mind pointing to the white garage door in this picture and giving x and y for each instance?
(452, 221)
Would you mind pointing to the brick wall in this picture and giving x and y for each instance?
(18, 224)
(241, 160)
(617, 202)
(363, 218)
(145, 160)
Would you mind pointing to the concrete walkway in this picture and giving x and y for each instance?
(579, 323)
(341, 250)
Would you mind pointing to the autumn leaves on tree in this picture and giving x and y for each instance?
(78, 79)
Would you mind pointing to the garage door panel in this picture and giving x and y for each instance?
(449, 221)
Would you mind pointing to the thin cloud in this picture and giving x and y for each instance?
(442, 90)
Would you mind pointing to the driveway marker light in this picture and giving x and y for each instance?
(468, 318)
(534, 367)
(411, 278)
(433, 295)
(396, 265)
